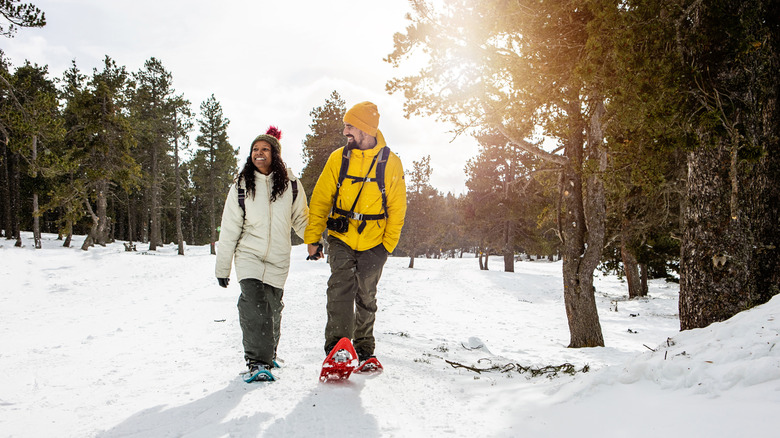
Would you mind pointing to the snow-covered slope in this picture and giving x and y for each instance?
(108, 343)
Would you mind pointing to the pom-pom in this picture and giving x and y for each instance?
(274, 131)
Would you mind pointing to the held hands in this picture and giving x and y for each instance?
(223, 281)
(315, 251)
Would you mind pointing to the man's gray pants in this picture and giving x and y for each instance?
(352, 295)
(260, 315)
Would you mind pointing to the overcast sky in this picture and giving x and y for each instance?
(265, 62)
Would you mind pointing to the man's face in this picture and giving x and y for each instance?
(261, 156)
(357, 137)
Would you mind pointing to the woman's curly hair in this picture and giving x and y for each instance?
(278, 169)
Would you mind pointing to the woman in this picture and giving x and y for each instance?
(261, 207)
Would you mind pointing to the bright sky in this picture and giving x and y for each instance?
(265, 62)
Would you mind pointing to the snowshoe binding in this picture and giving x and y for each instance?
(369, 366)
(258, 373)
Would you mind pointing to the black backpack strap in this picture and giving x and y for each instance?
(294, 184)
(344, 165)
(241, 199)
(381, 162)
(380, 176)
(342, 175)
(242, 195)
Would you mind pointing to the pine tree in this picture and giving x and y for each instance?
(154, 119)
(422, 212)
(509, 67)
(214, 164)
(32, 128)
(182, 124)
(98, 143)
(38, 130)
(326, 136)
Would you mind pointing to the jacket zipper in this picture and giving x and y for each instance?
(270, 216)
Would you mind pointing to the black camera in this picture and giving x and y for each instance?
(338, 224)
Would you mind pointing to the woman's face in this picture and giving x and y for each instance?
(261, 156)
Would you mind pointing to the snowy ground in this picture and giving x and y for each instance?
(108, 343)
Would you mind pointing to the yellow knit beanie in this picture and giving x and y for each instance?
(363, 116)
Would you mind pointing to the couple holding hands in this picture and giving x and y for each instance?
(360, 197)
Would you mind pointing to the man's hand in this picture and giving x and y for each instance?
(315, 251)
(223, 281)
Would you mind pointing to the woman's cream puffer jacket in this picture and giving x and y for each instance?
(260, 241)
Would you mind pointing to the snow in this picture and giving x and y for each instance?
(108, 343)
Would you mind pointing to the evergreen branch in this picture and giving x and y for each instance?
(23, 15)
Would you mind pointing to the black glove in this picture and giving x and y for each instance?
(223, 281)
(317, 255)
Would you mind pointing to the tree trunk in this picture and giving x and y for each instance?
(5, 219)
(631, 271)
(129, 221)
(583, 216)
(643, 279)
(177, 201)
(212, 203)
(35, 213)
(101, 236)
(411, 261)
(729, 258)
(15, 199)
(145, 218)
(154, 237)
(509, 261)
(69, 233)
(509, 254)
(93, 230)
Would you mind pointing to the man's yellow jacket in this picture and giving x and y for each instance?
(384, 231)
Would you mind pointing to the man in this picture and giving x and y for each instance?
(364, 226)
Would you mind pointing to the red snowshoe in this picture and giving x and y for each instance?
(340, 363)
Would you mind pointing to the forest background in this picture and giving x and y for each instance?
(634, 136)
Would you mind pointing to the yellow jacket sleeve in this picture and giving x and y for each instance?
(322, 198)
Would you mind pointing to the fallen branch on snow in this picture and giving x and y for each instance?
(548, 371)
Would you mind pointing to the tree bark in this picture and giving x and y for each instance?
(129, 221)
(583, 217)
(35, 213)
(177, 202)
(101, 236)
(5, 221)
(154, 237)
(631, 271)
(68, 234)
(508, 253)
(212, 199)
(15, 198)
(93, 230)
(729, 258)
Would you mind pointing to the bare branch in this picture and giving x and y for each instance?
(530, 148)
